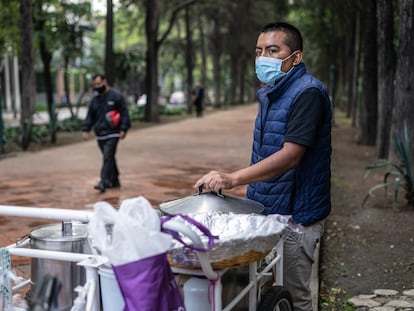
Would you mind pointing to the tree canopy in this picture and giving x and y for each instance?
(162, 46)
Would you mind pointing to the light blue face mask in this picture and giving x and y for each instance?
(269, 69)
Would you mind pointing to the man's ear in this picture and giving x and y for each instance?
(297, 58)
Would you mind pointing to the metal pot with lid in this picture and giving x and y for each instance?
(64, 237)
(211, 201)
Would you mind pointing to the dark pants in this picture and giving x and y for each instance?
(199, 109)
(109, 171)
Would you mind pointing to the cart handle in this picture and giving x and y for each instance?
(44, 212)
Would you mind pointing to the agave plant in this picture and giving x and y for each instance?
(398, 175)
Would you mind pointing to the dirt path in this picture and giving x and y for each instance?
(364, 248)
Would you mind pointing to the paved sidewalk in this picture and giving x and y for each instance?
(159, 162)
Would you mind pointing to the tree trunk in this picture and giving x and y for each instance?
(349, 64)
(244, 63)
(368, 116)
(386, 72)
(216, 53)
(333, 59)
(404, 96)
(233, 84)
(66, 86)
(152, 21)
(189, 60)
(151, 29)
(46, 57)
(203, 56)
(357, 66)
(109, 51)
(47, 78)
(28, 75)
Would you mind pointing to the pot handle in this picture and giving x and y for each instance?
(22, 239)
(219, 193)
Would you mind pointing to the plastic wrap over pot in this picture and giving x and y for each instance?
(237, 234)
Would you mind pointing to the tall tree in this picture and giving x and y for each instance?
(353, 105)
(28, 75)
(403, 111)
(348, 59)
(71, 30)
(216, 52)
(386, 74)
(368, 114)
(189, 58)
(151, 30)
(152, 21)
(203, 50)
(9, 28)
(109, 49)
(8, 42)
(41, 26)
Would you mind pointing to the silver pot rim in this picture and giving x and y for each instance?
(211, 201)
(53, 233)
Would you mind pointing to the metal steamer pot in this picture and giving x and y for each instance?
(64, 237)
(211, 201)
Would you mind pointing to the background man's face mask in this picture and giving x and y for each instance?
(269, 69)
(100, 89)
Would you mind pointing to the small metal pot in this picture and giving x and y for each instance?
(211, 201)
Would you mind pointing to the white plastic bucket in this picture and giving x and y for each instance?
(112, 299)
(196, 294)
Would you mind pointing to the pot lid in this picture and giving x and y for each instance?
(60, 232)
(211, 201)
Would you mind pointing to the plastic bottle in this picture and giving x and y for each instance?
(196, 294)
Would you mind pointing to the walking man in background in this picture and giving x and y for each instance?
(291, 155)
(198, 97)
(108, 115)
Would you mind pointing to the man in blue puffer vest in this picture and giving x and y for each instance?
(291, 155)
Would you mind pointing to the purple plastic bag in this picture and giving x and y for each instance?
(148, 285)
(204, 230)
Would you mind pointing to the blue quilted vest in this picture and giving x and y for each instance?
(303, 191)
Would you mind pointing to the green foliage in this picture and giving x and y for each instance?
(69, 125)
(172, 110)
(9, 30)
(136, 113)
(39, 107)
(10, 135)
(39, 133)
(397, 175)
(334, 299)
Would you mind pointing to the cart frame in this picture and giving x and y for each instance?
(91, 262)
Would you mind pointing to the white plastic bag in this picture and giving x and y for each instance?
(128, 234)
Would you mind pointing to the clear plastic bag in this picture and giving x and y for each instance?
(131, 233)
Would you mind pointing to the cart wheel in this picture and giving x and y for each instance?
(276, 298)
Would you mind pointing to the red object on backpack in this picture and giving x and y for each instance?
(113, 117)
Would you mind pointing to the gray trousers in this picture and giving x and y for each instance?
(299, 248)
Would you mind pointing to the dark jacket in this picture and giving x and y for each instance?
(97, 114)
(303, 191)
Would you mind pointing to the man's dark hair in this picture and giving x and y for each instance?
(98, 75)
(293, 37)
